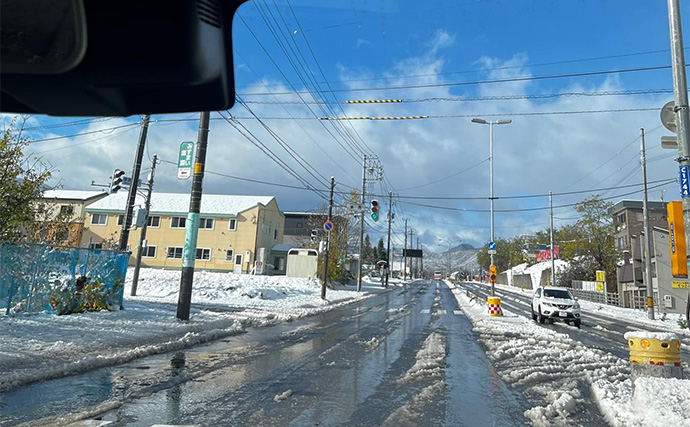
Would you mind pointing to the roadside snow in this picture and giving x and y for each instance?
(44, 346)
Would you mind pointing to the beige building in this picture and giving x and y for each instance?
(66, 206)
(232, 229)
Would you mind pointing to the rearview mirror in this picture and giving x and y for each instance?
(116, 58)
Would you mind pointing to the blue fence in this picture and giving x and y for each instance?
(60, 280)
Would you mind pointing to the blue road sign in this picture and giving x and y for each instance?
(327, 226)
(684, 181)
(492, 246)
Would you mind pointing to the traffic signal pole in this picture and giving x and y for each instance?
(361, 224)
(192, 226)
(388, 244)
(127, 222)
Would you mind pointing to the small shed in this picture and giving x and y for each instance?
(302, 263)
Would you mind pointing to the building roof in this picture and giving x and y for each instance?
(178, 203)
(72, 194)
(298, 214)
(637, 204)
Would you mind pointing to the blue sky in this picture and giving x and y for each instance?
(441, 45)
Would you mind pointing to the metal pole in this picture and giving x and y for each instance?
(553, 261)
(418, 259)
(142, 237)
(388, 241)
(412, 260)
(328, 243)
(680, 91)
(647, 232)
(127, 222)
(491, 180)
(361, 224)
(192, 226)
(405, 253)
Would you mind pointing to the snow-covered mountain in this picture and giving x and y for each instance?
(463, 257)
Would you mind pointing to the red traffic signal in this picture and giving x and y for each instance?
(116, 181)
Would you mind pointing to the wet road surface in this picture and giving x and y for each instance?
(356, 365)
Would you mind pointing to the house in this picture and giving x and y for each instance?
(627, 215)
(299, 227)
(670, 292)
(66, 206)
(234, 231)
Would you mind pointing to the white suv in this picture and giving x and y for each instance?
(555, 304)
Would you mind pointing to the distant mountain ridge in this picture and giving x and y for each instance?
(462, 257)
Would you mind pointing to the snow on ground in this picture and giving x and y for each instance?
(43, 346)
(555, 370)
(535, 270)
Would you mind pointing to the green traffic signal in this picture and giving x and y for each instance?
(375, 216)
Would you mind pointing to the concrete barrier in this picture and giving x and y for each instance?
(654, 354)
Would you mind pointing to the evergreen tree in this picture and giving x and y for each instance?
(381, 254)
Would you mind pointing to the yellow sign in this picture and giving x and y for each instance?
(679, 285)
(600, 286)
(676, 231)
(601, 276)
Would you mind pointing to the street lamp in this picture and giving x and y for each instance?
(491, 173)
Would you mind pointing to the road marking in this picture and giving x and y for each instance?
(392, 310)
(425, 311)
(458, 312)
(441, 312)
(90, 423)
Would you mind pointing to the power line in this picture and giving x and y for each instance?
(110, 129)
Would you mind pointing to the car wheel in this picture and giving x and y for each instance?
(541, 317)
(577, 323)
(534, 315)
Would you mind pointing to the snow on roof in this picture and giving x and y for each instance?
(71, 194)
(218, 204)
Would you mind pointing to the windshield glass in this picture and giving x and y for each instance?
(557, 293)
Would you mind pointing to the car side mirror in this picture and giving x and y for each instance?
(108, 58)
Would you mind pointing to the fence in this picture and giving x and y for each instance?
(59, 279)
(609, 298)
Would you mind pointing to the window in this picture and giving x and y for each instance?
(66, 210)
(96, 246)
(623, 242)
(206, 223)
(228, 255)
(149, 252)
(232, 224)
(275, 234)
(153, 221)
(238, 259)
(178, 222)
(203, 254)
(174, 252)
(621, 218)
(120, 220)
(99, 219)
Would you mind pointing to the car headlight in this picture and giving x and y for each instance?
(576, 305)
(548, 304)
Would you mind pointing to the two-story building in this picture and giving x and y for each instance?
(234, 231)
(66, 206)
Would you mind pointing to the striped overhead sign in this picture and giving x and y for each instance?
(372, 101)
(375, 118)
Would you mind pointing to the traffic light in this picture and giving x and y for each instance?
(314, 235)
(375, 210)
(116, 181)
(492, 273)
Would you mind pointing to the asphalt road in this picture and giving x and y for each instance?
(356, 365)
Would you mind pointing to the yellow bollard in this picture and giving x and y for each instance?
(494, 306)
(654, 354)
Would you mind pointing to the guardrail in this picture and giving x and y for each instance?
(609, 298)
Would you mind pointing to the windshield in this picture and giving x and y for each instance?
(557, 293)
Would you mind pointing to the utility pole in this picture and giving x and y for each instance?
(647, 232)
(412, 261)
(127, 222)
(142, 237)
(418, 259)
(388, 245)
(405, 254)
(680, 92)
(192, 226)
(328, 242)
(361, 224)
(553, 261)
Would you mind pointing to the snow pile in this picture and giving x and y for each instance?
(655, 402)
(535, 271)
(44, 346)
(277, 293)
(553, 369)
(430, 359)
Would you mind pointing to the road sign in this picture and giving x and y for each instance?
(684, 171)
(492, 246)
(492, 273)
(668, 116)
(492, 251)
(328, 226)
(184, 161)
(601, 276)
(600, 286)
(669, 142)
